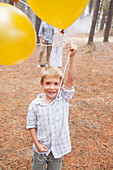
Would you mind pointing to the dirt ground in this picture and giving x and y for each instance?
(91, 109)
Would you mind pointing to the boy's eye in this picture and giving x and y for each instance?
(56, 83)
(47, 83)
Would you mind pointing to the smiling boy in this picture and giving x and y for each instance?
(47, 118)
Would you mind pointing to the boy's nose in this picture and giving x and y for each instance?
(52, 86)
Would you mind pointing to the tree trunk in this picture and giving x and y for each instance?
(99, 13)
(102, 21)
(91, 34)
(4, 1)
(21, 6)
(37, 26)
(90, 6)
(30, 13)
(32, 16)
(109, 21)
(105, 13)
(11, 2)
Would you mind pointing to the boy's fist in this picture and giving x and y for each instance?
(72, 49)
(42, 148)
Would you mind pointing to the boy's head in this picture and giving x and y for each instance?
(51, 72)
(50, 81)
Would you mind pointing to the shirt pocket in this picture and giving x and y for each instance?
(58, 115)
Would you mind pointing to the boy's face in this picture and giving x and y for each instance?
(51, 87)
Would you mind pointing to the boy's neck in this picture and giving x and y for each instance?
(45, 100)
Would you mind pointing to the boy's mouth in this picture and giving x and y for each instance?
(51, 92)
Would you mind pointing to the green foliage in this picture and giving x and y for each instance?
(89, 48)
(106, 5)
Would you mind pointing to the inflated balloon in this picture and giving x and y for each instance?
(59, 13)
(17, 35)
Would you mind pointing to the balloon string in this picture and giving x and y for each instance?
(53, 44)
(24, 3)
(64, 71)
(65, 64)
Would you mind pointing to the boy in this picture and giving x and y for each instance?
(47, 118)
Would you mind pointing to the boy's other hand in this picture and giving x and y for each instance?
(42, 148)
(43, 42)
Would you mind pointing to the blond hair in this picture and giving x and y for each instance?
(51, 71)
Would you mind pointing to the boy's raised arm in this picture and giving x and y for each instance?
(71, 70)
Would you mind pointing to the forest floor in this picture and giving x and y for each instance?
(91, 108)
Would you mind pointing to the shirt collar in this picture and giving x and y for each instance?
(38, 101)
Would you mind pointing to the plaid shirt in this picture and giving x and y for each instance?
(51, 122)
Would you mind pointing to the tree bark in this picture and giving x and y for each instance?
(21, 6)
(109, 21)
(5, 1)
(90, 6)
(37, 26)
(99, 13)
(30, 13)
(105, 13)
(91, 34)
(102, 21)
(35, 20)
(11, 2)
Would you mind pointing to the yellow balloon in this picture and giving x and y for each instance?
(59, 13)
(17, 35)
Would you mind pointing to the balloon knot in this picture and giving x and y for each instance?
(15, 1)
(62, 31)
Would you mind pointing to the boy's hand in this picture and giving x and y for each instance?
(42, 148)
(73, 50)
(43, 42)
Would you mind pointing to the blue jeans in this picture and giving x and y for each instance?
(39, 162)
